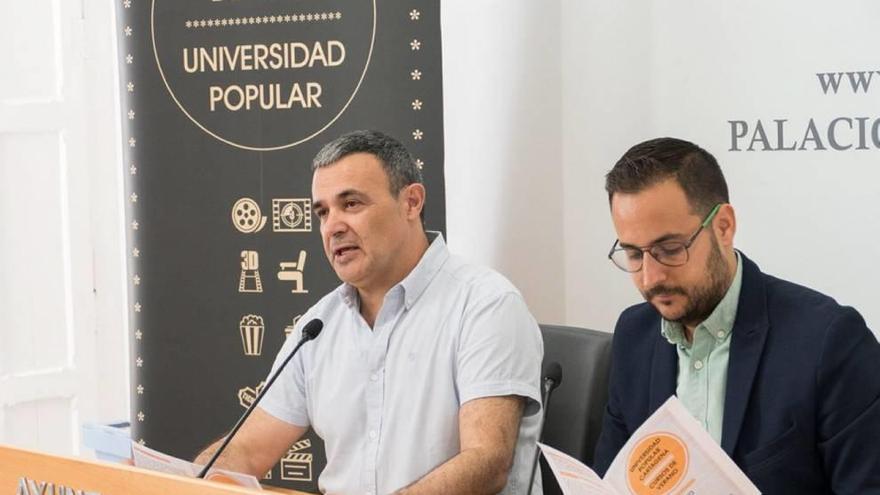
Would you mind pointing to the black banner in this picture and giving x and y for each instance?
(225, 102)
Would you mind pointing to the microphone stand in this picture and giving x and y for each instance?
(552, 379)
(311, 330)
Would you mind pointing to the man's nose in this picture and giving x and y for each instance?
(653, 272)
(334, 224)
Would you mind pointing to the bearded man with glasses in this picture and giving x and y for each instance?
(784, 378)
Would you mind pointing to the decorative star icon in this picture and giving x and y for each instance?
(137, 307)
(129, 59)
(251, 20)
(238, 22)
(127, 4)
(272, 19)
(418, 134)
(140, 390)
(420, 164)
(130, 87)
(128, 30)
(136, 279)
(135, 225)
(416, 75)
(414, 15)
(415, 45)
(210, 22)
(225, 22)
(139, 335)
(287, 18)
(323, 16)
(309, 17)
(302, 17)
(133, 170)
(417, 104)
(141, 416)
(188, 24)
(136, 252)
(131, 115)
(139, 362)
(134, 198)
(338, 15)
(132, 142)
(203, 23)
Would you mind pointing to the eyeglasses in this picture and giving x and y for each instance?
(669, 253)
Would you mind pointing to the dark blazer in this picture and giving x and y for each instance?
(802, 407)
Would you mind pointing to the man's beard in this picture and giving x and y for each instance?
(702, 299)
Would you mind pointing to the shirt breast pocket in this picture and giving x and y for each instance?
(772, 452)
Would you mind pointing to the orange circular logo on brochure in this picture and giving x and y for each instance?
(656, 464)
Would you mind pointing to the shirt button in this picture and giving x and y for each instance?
(698, 365)
(374, 377)
(373, 434)
(720, 334)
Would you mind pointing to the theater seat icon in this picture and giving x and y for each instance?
(292, 271)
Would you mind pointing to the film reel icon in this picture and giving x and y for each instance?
(246, 216)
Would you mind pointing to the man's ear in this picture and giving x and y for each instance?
(413, 200)
(724, 225)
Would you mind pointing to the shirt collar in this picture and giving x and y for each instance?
(415, 283)
(719, 324)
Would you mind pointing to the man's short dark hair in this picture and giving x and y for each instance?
(652, 162)
(394, 157)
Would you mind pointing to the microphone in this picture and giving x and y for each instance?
(552, 379)
(310, 332)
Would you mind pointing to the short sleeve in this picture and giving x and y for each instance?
(286, 398)
(500, 351)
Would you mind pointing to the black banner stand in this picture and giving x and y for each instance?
(225, 103)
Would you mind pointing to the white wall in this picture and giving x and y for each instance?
(64, 355)
(502, 104)
(631, 73)
(606, 90)
(541, 98)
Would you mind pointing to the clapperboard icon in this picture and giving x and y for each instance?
(292, 215)
(296, 465)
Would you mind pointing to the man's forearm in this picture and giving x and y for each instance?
(232, 459)
(260, 442)
(472, 471)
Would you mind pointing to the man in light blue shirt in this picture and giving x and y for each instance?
(426, 376)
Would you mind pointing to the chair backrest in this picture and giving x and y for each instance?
(301, 263)
(575, 410)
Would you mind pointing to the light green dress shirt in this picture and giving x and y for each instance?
(702, 364)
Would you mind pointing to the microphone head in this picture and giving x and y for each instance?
(553, 374)
(312, 329)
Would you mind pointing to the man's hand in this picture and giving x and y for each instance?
(488, 430)
(257, 446)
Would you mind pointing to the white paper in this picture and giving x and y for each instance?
(672, 449)
(154, 460)
(147, 458)
(572, 475)
(669, 453)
